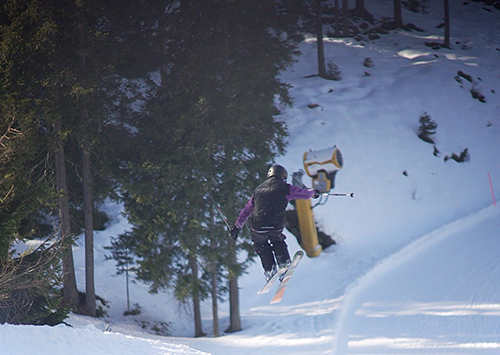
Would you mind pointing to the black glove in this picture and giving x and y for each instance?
(233, 232)
(317, 193)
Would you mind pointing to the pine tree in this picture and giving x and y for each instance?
(427, 128)
(209, 119)
(31, 82)
(71, 100)
(24, 184)
(92, 109)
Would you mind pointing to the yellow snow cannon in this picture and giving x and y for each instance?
(322, 166)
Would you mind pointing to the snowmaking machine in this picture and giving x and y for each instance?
(322, 166)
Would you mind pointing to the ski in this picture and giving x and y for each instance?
(278, 296)
(271, 281)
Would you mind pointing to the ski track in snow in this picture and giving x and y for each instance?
(352, 303)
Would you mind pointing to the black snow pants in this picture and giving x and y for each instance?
(270, 246)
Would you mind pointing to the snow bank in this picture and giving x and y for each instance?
(45, 340)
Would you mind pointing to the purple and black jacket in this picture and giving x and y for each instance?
(266, 208)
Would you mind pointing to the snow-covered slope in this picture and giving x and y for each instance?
(438, 294)
(22, 339)
(415, 269)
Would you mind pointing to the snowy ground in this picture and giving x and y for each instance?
(450, 305)
(416, 267)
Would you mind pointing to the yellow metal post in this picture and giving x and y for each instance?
(307, 227)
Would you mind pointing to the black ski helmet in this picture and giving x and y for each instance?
(278, 172)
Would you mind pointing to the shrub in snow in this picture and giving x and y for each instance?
(465, 76)
(476, 93)
(463, 157)
(29, 288)
(333, 72)
(133, 312)
(368, 62)
(427, 128)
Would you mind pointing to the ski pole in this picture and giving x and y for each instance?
(331, 194)
(218, 209)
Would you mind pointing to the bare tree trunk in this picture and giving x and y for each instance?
(345, 18)
(127, 287)
(337, 18)
(234, 298)
(446, 24)
(89, 229)
(398, 15)
(319, 40)
(198, 329)
(215, 306)
(87, 187)
(360, 8)
(70, 291)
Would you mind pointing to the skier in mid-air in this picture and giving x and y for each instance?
(266, 210)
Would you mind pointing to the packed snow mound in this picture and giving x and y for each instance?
(45, 340)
